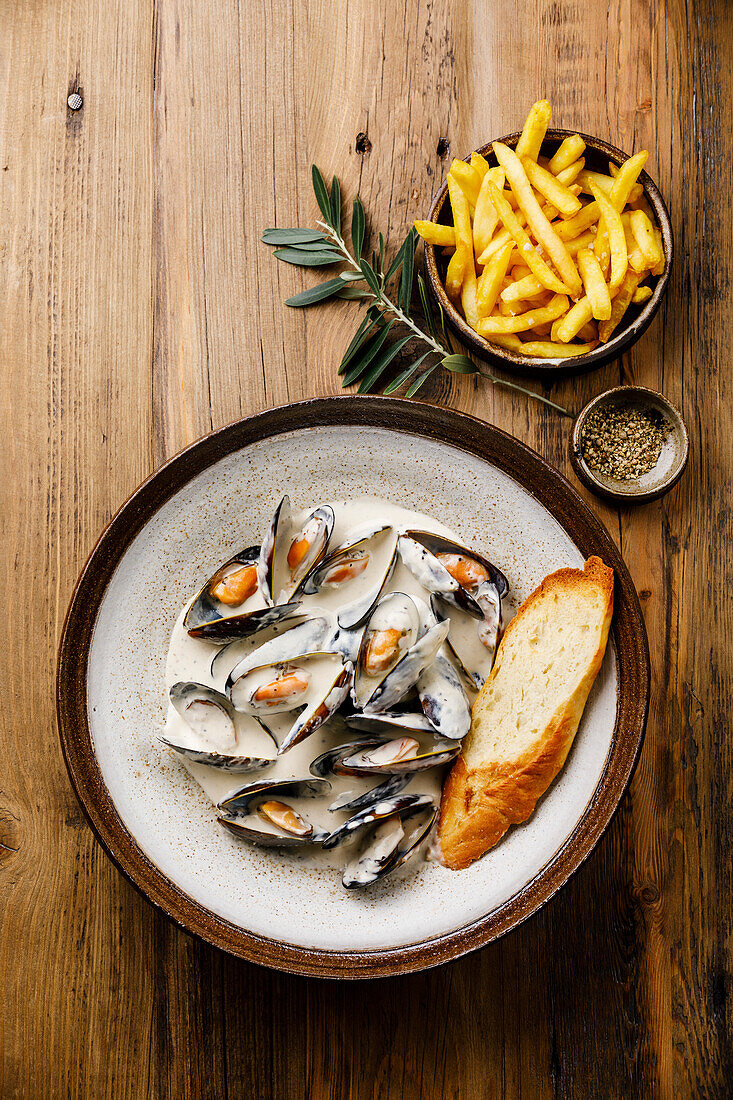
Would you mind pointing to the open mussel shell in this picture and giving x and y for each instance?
(434, 559)
(207, 712)
(320, 711)
(359, 568)
(392, 723)
(472, 653)
(403, 755)
(443, 699)
(391, 786)
(407, 672)
(219, 760)
(403, 804)
(242, 813)
(299, 640)
(290, 551)
(388, 846)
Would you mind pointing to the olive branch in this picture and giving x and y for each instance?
(369, 355)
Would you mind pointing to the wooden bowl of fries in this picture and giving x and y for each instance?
(559, 294)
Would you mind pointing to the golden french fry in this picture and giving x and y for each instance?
(534, 130)
(641, 294)
(495, 245)
(508, 341)
(570, 174)
(589, 333)
(519, 271)
(489, 285)
(534, 262)
(548, 349)
(550, 188)
(585, 240)
(480, 164)
(527, 287)
(433, 233)
(616, 237)
(467, 178)
(461, 217)
(659, 268)
(565, 328)
(602, 248)
(536, 220)
(626, 178)
(485, 217)
(524, 321)
(454, 275)
(542, 330)
(620, 305)
(596, 290)
(568, 151)
(468, 294)
(643, 231)
(573, 227)
(513, 308)
(612, 169)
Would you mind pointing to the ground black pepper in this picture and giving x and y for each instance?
(622, 442)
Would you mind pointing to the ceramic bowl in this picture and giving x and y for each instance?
(637, 319)
(156, 822)
(671, 463)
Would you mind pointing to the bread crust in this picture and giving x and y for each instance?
(479, 804)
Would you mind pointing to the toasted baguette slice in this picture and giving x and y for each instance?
(528, 711)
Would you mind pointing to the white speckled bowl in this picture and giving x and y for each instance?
(157, 823)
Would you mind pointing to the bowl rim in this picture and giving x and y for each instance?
(458, 430)
(584, 471)
(513, 361)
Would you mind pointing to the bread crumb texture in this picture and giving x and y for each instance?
(528, 711)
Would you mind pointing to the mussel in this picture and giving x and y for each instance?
(263, 813)
(393, 723)
(212, 718)
(457, 574)
(443, 699)
(472, 651)
(395, 649)
(392, 785)
(403, 804)
(230, 605)
(291, 550)
(385, 756)
(309, 636)
(389, 845)
(359, 569)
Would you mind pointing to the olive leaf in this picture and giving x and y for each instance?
(293, 236)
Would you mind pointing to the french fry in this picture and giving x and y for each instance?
(480, 163)
(641, 294)
(512, 309)
(496, 243)
(602, 248)
(570, 174)
(661, 265)
(643, 231)
(525, 321)
(543, 231)
(551, 188)
(468, 294)
(573, 227)
(604, 182)
(596, 290)
(485, 217)
(467, 178)
(565, 328)
(612, 169)
(439, 235)
(568, 151)
(492, 277)
(626, 178)
(534, 262)
(585, 240)
(548, 349)
(589, 333)
(616, 236)
(528, 287)
(461, 217)
(454, 275)
(519, 271)
(620, 305)
(534, 130)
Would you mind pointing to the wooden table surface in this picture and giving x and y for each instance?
(139, 310)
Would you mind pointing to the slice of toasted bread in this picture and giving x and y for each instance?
(528, 711)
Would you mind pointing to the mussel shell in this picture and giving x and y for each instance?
(391, 786)
(404, 804)
(443, 699)
(229, 629)
(419, 550)
(186, 692)
(244, 831)
(278, 538)
(354, 614)
(314, 716)
(230, 654)
(391, 722)
(300, 640)
(428, 756)
(396, 608)
(242, 802)
(474, 674)
(407, 672)
(219, 760)
(364, 870)
(205, 618)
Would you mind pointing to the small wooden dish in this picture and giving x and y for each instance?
(637, 319)
(670, 465)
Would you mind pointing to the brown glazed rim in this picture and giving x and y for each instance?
(457, 430)
(598, 152)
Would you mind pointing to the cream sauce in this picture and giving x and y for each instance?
(193, 659)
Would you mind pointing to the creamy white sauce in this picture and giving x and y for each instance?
(191, 659)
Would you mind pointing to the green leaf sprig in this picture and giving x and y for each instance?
(366, 280)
